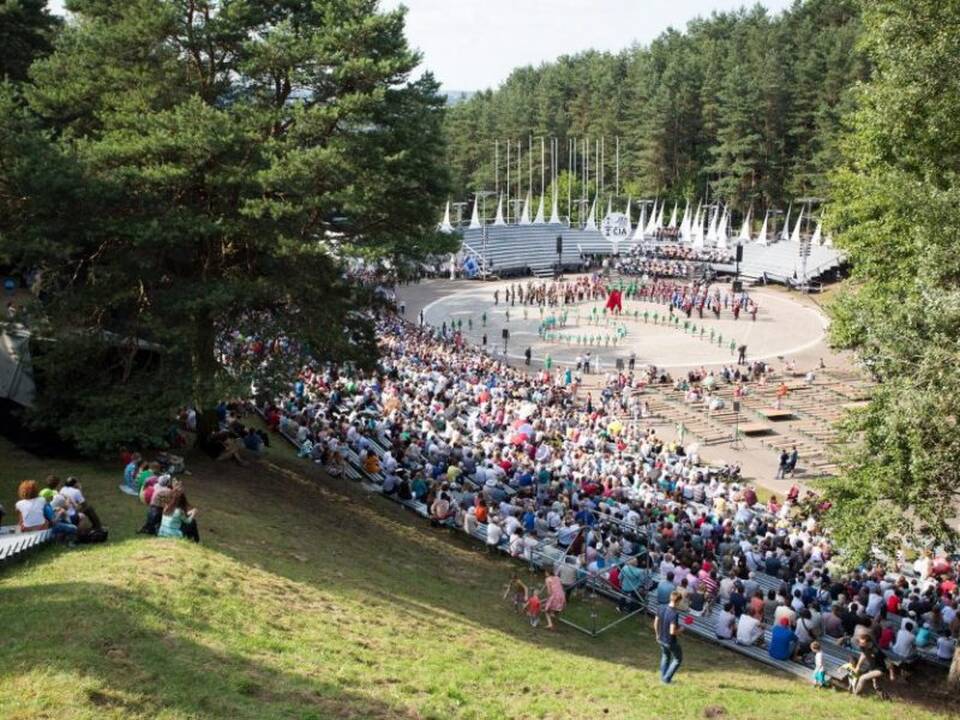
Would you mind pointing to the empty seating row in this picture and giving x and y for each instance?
(13, 544)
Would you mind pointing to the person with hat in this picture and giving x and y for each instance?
(783, 641)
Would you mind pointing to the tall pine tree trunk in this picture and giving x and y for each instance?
(204, 377)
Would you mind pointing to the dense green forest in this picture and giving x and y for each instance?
(743, 106)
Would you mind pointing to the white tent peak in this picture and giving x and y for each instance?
(525, 215)
(795, 236)
(592, 220)
(745, 228)
(785, 232)
(445, 226)
(538, 220)
(499, 219)
(554, 213)
(762, 237)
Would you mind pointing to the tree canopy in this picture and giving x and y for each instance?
(27, 29)
(180, 172)
(742, 106)
(896, 210)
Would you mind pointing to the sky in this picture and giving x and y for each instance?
(475, 44)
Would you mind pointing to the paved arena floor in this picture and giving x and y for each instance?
(783, 328)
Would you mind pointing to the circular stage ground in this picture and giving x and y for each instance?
(783, 328)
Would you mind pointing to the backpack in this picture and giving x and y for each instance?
(94, 536)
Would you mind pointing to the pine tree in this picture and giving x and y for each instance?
(190, 169)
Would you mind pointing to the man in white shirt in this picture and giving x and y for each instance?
(749, 630)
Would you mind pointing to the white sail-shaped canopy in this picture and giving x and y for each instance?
(638, 232)
(744, 235)
(762, 237)
(445, 226)
(592, 220)
(499, 219)
(785, 232)
(629, 221)
(609, 205)
(538, 220)
(660, 217)
(555, 211)
(698, 237)
(673, 217)
(722, 230)
(795, 237)
(714, 225)
(475, 218)
(817, 238)
(525, 214)
(651, 226)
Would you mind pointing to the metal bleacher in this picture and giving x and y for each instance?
(15, 545)
(517, 248)
(522, 249)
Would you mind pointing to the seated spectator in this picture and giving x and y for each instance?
(179, 520)
(946, 646)
(726, 623)
(867, 667)
(161, 495)
(30, 507)
(807, 632)
(130, 472)
(57, 518)
(73, 491)
(905, 645)
(253, 442)
(783, 641)
(749, 630)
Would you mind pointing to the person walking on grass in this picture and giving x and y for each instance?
(556, 599)
(666, 628)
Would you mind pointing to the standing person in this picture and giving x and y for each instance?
(792, 459)
(556, 599)
(527, 354)
(666, 628)
(742, 358)
(782, 466)
(782, 392)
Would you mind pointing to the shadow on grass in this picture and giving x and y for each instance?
(122, 643)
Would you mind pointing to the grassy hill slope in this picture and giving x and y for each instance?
(311, 599)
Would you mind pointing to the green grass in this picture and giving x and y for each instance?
(309, 598)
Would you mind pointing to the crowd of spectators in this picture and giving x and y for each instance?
(59, 506)
(522, 460)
